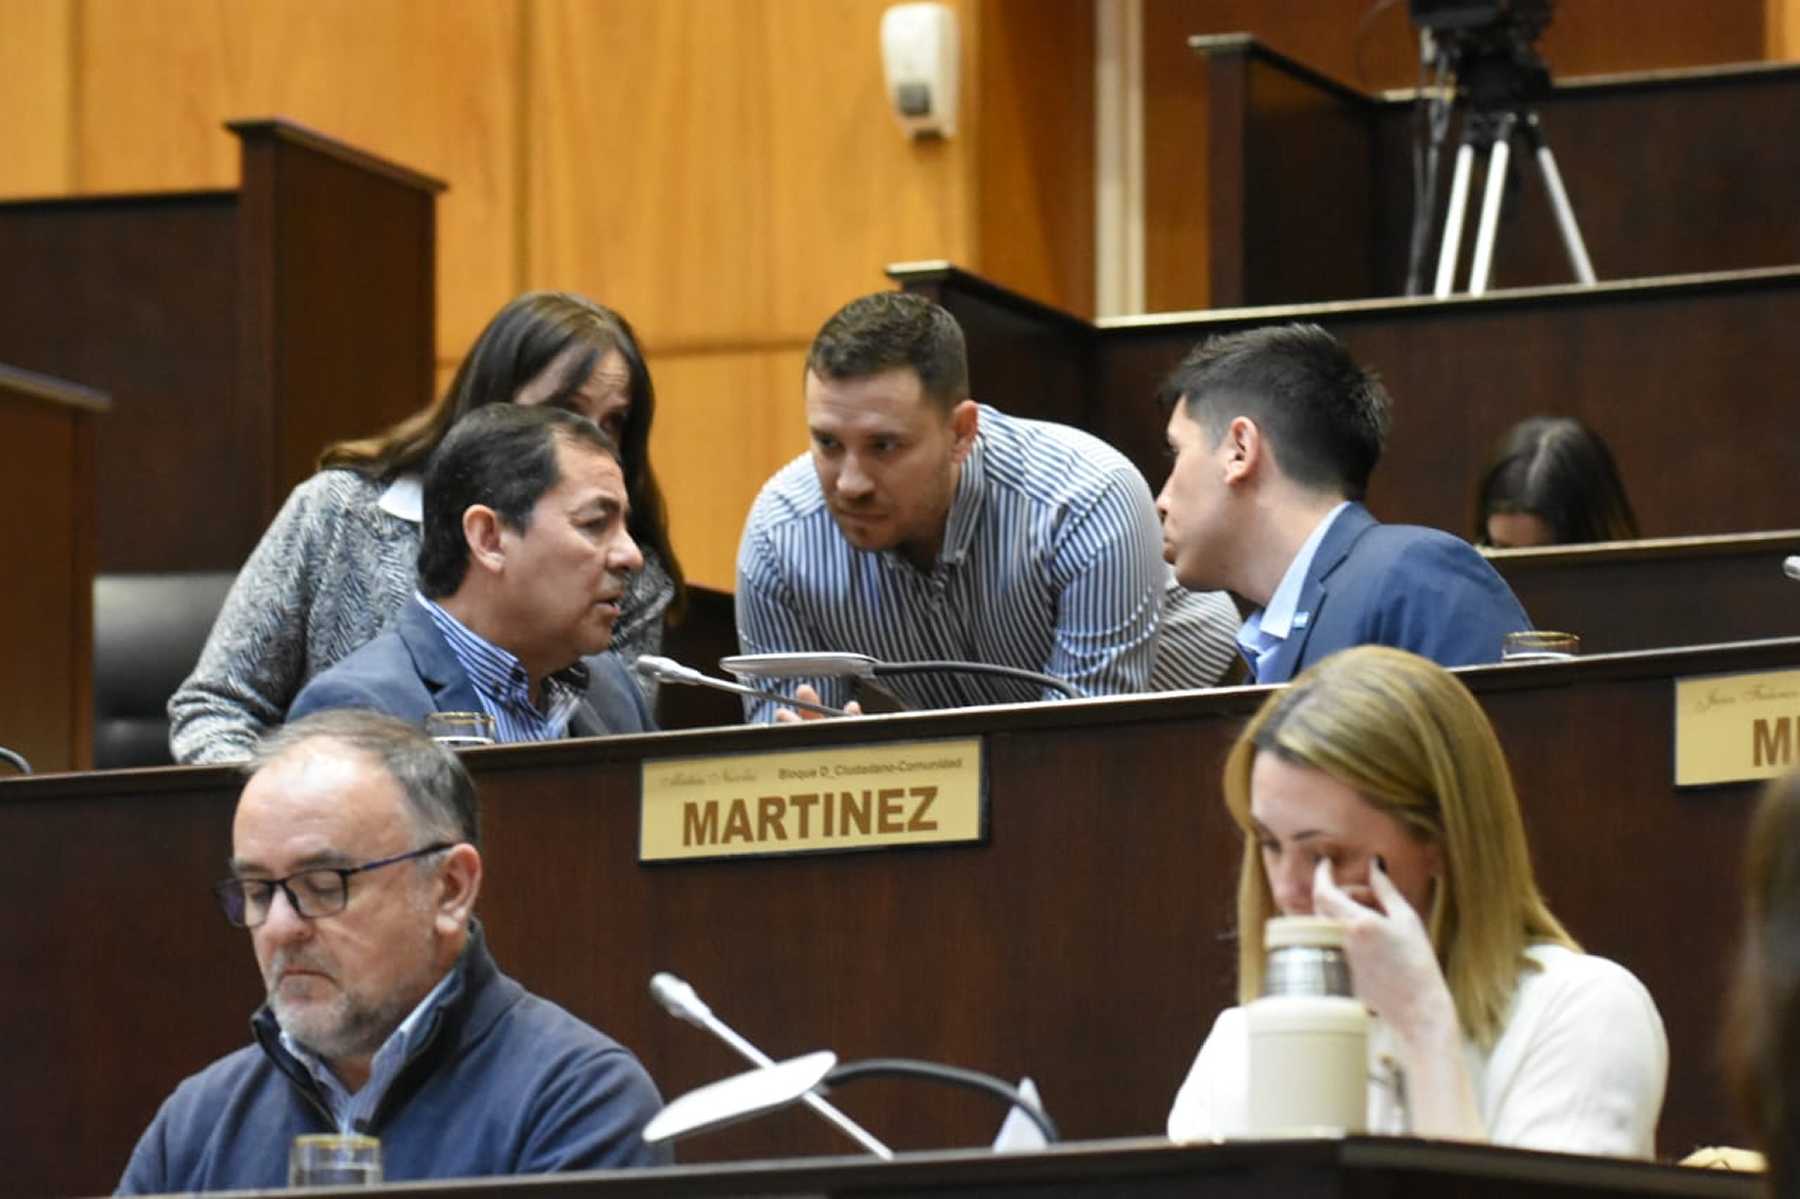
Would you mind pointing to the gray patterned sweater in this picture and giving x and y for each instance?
(326, 576)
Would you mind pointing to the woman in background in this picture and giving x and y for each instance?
(1762, 1036)
(341, 556)
(1372, 790)
(1551, 481)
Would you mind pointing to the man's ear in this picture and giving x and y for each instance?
(1242, 451)
(482, 530)
(459, 884)
(965, 421)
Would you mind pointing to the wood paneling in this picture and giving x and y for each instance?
(36, 46)
(1034, 192)
(725, 422)
(727, 174)
(46, 605)
(1586, 37)
(429, 83)
(1784, 29)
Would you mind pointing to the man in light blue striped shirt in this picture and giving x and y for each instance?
(925, 526)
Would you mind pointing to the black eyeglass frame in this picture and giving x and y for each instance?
(222, 889)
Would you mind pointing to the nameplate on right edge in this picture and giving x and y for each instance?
(1734, 728)
(882, 796)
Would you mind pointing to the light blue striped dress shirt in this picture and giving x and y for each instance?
(1052, 561)
(504, 687)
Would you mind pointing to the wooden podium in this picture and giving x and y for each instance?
(47, 543)
(1085, 943)
(1308, 184)
(237, 332)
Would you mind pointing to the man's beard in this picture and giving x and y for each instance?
(341, 1026)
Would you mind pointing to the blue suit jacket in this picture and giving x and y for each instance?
(1401, 585)
(409, 671)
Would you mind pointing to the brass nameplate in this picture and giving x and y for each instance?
(1733, 728)
(812, 800)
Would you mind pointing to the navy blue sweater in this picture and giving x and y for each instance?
(502, 1082)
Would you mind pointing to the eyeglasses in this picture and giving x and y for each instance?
(321, 891)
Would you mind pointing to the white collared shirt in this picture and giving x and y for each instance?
(405, 498)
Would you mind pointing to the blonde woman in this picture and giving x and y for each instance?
(1372, 790)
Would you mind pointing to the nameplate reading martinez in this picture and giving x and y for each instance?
(812, 800)
(1733, 728)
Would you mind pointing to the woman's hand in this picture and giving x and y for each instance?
(1391, 960)
(1395, 972)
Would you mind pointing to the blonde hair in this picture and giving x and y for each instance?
(1412, 741)
(1761, 1040)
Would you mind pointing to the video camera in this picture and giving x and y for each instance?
(1488, 47)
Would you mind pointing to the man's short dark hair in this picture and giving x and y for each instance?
(501, 455)
(1325, 418)
(439, 792)
(892, 329)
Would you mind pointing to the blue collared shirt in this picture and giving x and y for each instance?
(352, 1112)
(1262, 634)
(504, 687)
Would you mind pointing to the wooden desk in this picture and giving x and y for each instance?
(47, 544)
(238, 332)
(1086, 943)
(1640, 361)
(1669, 172)
(1348, 1169)
(1626, 595)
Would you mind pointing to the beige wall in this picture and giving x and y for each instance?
(724, 172)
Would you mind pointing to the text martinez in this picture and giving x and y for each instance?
(815, 815)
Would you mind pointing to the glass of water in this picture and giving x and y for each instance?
(1539, 645)
(334, 1160)
(460, 730)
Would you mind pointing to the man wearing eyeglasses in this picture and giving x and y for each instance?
(355, 867)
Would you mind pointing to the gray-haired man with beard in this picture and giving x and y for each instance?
(355, 866)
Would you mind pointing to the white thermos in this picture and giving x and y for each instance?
(1309, 1036)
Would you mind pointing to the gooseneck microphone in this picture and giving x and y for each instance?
(17, 760)
(684, 1003)
(861, 666)
(668, 670)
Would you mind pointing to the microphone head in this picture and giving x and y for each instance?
(1791, 567)
(664, 670)
(678, 998)
(801, 665)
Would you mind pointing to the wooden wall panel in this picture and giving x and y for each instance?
(1034, 186)
(431, 84)
(727, 174)
(1784, 29)
(725, 422)
(36, 45)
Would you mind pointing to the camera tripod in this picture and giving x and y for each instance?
(1493, 129)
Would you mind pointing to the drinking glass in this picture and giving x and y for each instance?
(1539, 645)
(334, 1160)
(460, 730)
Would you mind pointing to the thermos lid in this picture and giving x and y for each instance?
(1320, 932)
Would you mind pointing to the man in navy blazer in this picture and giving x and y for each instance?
(524, 557)
(1274, 433)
